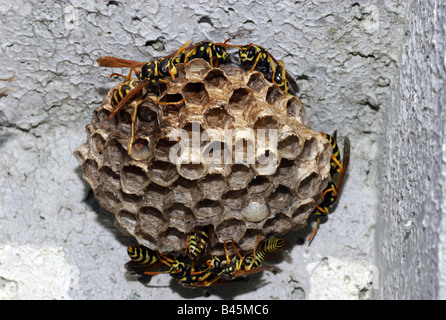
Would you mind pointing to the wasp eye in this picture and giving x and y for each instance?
(251, 52)
(164, 65)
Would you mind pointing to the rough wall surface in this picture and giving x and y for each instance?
(410, 230)
(55, 241)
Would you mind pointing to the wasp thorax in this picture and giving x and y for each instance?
(219, 147)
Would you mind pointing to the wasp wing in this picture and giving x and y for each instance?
(345, 162)
(127, 98)
(289, 77)
(112, 62)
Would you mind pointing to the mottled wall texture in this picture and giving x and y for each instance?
(410, 228)
(373, 70)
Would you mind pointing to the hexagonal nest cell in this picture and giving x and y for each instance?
(219, 147)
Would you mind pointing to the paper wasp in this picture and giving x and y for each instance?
(143, 259)
(214, 272)
(180, 268)
(186, 275)
(196, 242)
(335, 162)
(255, 259)
(331, 193)
(153, 72)
(238, 266)
(120, 94)
(150, 73)
(143, 255)
(283, 80)
(214, 53)
(255, 57)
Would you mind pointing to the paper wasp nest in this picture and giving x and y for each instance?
(250, 166)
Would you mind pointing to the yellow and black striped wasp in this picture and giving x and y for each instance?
(214, 53)
(144, 259)
(143, 255)
(255, 57)
(181, 268)
(214, 272)
(150, 73)
(196, 242)
(331, 193)
(335, 162)
(225, 268)
(255, 259)
(238, 266)
(119, 95)
(187, 275)
(284, 80)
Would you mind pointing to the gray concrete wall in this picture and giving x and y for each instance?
(57, 243)
(410, 228)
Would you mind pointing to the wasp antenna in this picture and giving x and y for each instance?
(226, 252)
(235, 249)
(225, 44)
(181, 49)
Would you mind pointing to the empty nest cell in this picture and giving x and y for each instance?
(216, 79)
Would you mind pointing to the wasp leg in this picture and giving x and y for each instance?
(325, 212)
(332, 189)
(239, 263)
(255, 63)
(310, 238)
(211, 282)
(172, 74)
(132, 138)
(241, 273)
(117, 75)
(253, 254)
(162, 103)
(170, 103)
(226, 252)
(157, 101)
(163, 259)
(128, 77)
(340, 168)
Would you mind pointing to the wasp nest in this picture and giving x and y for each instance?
(219, 147)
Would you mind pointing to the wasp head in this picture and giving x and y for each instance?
(220, 53)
